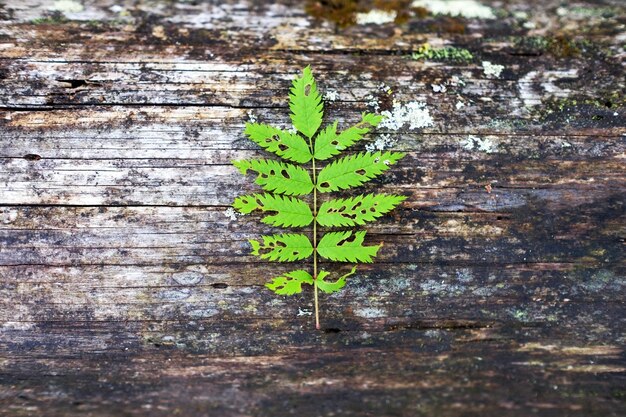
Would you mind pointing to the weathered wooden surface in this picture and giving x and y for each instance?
(128, 289)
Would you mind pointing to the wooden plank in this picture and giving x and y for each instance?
(126, 284)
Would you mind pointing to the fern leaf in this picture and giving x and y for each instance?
(289, 211)
(346, 247)
(290, 283)
(355, 170)
(305, 104)
(277, 176)
(287, 247)
(331, 287)
(287, 145)
(356, 210)
(328, 143)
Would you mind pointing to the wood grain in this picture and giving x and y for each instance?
(127, 288)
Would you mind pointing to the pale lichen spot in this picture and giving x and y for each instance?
(372, 102)
(231, 213)
(463, 8)
(380, 144)
(376, 17)
(251, 116)
(331, 95)
(68, 6)
(415, 114)
(438, 88)
(370, 312)
(492, 70)
(474, 143)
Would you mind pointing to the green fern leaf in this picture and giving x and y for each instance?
(355, 170)
(356, 210)
(328, 143)
(287, 145)
(290, 283)
(331, 287)
(305, 104)
(287, 247)
(289, 211)
(277, 176)
(346, 247)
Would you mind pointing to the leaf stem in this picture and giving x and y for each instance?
(317, 311)
(316, 302)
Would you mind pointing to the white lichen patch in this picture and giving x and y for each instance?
(439, 88)
(251, 116)
(8, 215)
(376, 17)
(492, 70)
(474, 143)
(464, 8)
(68, 6)
(456, 81)
(415, 114)
(331, 95)
(370, 312)
(231, 213)
(459, 105)
(372, 102)
(381, 143)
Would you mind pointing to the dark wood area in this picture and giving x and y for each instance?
(127, 285)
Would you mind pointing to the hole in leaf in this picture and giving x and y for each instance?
(324, 184)
(282, 147)
(219, 285)
(307, 89)
(361, 172)
(284, 173)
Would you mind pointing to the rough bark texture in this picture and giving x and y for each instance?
(127, 288)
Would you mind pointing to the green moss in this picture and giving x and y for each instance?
(609, 101)
(54, 18)
(447, 53)
(559, 46)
